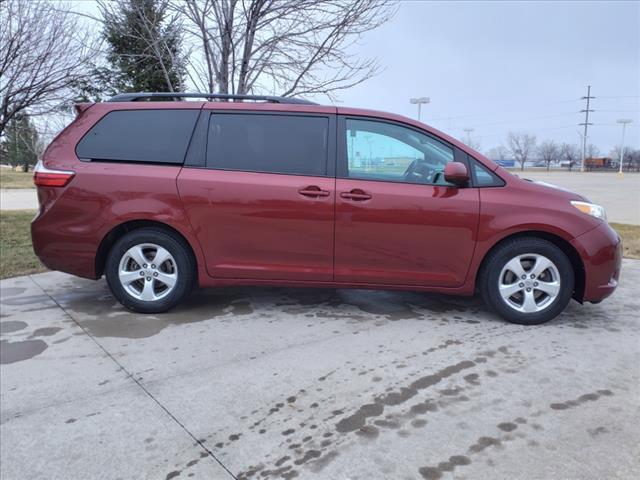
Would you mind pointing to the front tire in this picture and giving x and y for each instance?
(527, 280)
(150, 270)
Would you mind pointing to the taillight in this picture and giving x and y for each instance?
(45, 177)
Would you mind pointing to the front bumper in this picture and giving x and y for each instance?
(601, 253)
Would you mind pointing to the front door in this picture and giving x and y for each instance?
(263, 206)
(398, 222)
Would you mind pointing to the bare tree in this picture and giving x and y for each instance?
(474, 143)
(498, 153)
(521, 146)
(549, 152)
(631, 160)
(43, 53)
(592, 151)
(281, 46)
(570, 154)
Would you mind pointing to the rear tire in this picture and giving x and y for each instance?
(527, 280)
(150, 270)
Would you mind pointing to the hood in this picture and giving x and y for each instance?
(550, 187)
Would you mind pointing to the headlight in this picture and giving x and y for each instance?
(590, 209)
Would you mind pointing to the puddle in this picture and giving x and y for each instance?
(45, 332)
(26, 300)
(103, 316)
(393, 305)
(11, 326)
(12, 352)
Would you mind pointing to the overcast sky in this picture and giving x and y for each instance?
(501, 66)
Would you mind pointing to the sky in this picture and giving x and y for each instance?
(501, 66)
(507, 66)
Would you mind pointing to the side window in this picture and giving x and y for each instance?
(290, 144)
(485, 177)
(389, 152)
(152, 136)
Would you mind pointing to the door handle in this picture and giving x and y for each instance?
(313, 191)
(356, 195)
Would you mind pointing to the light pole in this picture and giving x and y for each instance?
(623, 122)
(419, 101)
(468, 130)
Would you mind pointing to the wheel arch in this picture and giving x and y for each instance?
(558, 241)
(123, 228)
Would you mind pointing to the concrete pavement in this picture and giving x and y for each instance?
(619, 195)
(323, 384)
(18, 199)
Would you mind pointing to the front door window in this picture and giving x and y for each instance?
(388, 152)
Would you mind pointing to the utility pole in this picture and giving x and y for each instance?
(624, 122)
(468, 130)
(586, 125)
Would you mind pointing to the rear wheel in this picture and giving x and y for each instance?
(150, 270)
(527, 280)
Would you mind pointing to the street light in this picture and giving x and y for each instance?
(624, 122)
(419, 101)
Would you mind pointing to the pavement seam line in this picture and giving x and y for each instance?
(142, 387)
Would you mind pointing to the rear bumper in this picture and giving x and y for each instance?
(65, 241)
(601, 252)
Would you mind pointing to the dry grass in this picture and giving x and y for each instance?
(630, 235)
(11, 179)
(16, 251)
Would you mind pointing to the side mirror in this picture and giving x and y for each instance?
(456, 173)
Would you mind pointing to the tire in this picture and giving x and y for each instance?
(530, 300)
(150, 288)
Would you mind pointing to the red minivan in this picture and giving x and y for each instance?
(160, 193)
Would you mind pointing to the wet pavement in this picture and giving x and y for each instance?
(323, 384)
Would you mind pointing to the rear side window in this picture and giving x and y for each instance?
(290, 144)
(150, 136)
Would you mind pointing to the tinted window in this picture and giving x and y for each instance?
(268, 143)
(156, 136)
(389, 152)
(484, 177)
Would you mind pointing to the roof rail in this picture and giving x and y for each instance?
(134, 97)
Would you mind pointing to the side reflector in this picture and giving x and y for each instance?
(45, 177)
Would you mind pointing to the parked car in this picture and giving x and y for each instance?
(163, 196)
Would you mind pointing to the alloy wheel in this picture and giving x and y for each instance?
(148, 272)
(529, 283)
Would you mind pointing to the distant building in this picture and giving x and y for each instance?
(598, 163)
(506, 163)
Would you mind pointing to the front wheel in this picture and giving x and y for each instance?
(527, 281)
(150, 270)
